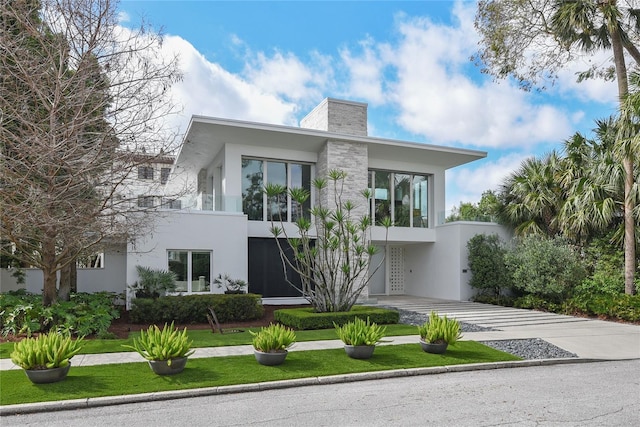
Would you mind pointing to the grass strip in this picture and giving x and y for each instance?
(134, 378)
(204, 338)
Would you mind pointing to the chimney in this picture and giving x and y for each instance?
(338, 116)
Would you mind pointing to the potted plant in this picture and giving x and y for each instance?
(360, 337)
(270, 344)
(231, 286)
(165, 349)
(438, 332)
(45, 359)
(153, 283)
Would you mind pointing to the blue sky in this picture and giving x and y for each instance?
(273, 61)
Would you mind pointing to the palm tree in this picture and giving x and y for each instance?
(532, 196)
(602, 25)
(593, 179)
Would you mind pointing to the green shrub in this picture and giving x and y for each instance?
(85, 314)
(486, 261)
(308, 318)
(620, 306)
(546, 268)
(274, 338)
(165, 344)
(602, 282)
(439, 330)
(47, 351)
(535, 302)
(359, 332)
(193, 308)
(503, 300)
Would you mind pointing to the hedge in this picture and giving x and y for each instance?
(307, 318)
(193, 308)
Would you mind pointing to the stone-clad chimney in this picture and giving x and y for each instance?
(338, 116)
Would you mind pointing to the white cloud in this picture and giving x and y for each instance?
(438, 99)
(286, 76)
(208, 89)
(590, 90)
(466, 184)
(365, 72)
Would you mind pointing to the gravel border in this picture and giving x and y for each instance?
(528, 349)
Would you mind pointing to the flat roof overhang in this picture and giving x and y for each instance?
(206, 136)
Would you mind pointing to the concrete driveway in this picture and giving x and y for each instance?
(588, 338)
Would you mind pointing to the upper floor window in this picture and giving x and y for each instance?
(257, 173)
(145, 201)
(164, 175)
(400, 196)
(145, 172)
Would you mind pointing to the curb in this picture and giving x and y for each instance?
(95, 402)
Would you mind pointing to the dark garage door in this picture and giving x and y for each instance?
(266, 276)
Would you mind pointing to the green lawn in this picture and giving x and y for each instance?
(204, 338)
(133, 378)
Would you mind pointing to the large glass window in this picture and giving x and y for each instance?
(192, 270)
(252, 184)
(420, 205)
(401, 199)
(277, 207)
(300, 178)
(258, 173)
(409, 194)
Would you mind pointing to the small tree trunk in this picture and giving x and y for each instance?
(629, 231)
(73, 279)
(49, 271)
(49, 294)
(65, 283)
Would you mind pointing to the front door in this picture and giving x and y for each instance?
(396, 270)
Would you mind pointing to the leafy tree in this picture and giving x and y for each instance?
(334, 265)
(484, 211)
(487, 265)
(545, 268)
(531, 40)
(80, 97)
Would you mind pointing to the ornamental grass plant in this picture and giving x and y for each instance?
(358, 332)
(440, 330)
(274, 338)
(47, 351)
(162, 344)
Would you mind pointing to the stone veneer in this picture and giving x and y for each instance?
(338, 116)
(346, 117)
(343, 117)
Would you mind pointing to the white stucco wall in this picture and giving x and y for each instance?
(440, 269)
(111, 278)
(222, 233)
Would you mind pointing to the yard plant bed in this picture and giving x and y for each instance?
(135, 378)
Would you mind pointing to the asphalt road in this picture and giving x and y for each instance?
(582, 394)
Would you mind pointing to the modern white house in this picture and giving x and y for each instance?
(223, 227)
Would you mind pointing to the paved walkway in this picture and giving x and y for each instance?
(588, 338)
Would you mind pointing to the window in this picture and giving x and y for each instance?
(91, 261)
(145, 172)
(400, 196)
(172, 203)
(192, 270)
(258, 173)
(145, 201)
(164, 175)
